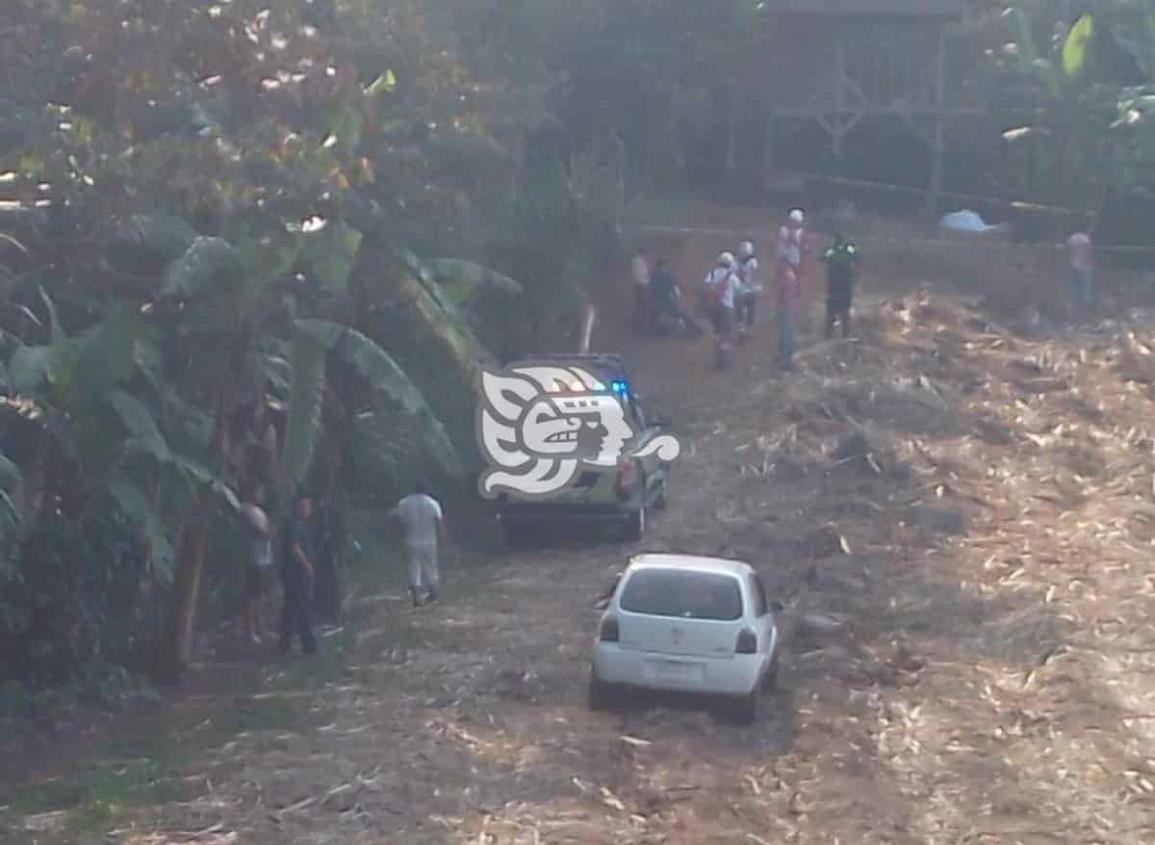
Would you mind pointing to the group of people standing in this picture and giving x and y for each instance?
(422, 523)
(732, 289)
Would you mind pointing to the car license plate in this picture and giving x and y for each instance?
(671, 671)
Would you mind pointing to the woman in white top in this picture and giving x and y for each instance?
(722, 286)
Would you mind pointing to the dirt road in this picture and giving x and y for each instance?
(960, 520)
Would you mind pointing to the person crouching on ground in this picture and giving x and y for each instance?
(750, 274)
(841, 261)
(722, 285)
(423, 524)
(667, 300)
(297, 578)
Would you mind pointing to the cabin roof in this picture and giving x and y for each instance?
(870, 8)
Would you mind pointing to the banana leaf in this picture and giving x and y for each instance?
(329, 255)
(162, 235)
(209, 266)
(1077, 46)
(144, 434)
(463, 281)
(306, 395)
(9, 473)
(135, 505)
(393, 391)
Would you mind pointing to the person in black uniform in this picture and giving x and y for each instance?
(297, 577)
(841, 261)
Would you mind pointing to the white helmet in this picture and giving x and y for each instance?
(746, 249)
(726, 259)
(797, 216)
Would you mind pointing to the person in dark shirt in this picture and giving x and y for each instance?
(667, 298)
(297, 577)
(841, 261)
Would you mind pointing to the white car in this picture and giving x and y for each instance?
(688, 624)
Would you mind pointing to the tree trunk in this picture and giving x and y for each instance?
(175, 648)
(176, 643)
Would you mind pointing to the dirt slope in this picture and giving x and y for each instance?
(961, 522)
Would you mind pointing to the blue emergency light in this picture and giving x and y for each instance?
(620, 386)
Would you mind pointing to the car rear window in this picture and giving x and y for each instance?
(686, 595)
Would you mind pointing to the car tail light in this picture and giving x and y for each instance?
(747, 642)
(609, 630)
(627, 477)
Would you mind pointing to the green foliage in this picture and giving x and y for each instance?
(1077, 45)
(393, 398)
(1075, 104)
(208, 267)
(222, 202)
(305, 400)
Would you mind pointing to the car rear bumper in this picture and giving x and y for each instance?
(565, 513)
(738, 674)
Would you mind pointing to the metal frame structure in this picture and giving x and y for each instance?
(864, 58)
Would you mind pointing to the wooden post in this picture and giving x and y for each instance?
(839, 76)
(938, 148)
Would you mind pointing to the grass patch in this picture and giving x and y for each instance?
(149, 767)
(95, 793)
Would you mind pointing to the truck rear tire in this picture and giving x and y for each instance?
(516, 536)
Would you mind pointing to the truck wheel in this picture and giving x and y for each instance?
(744, 710)
(516, 536)
(661, 499)
(601, 695)
(770, 680)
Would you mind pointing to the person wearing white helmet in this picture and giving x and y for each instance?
(750, 274)
(790, 254)
(722, 286)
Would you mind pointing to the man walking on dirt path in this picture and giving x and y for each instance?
(722, 285)
(789, 255)
(423, 523)
(643, 309)
(841, 261)
(1082, 256)
(297, 577)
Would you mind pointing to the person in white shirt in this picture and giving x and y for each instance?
(1082, 267)
(722, 285)
(643, 310)
(423, 524)
(751, 276)
(791, 250)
